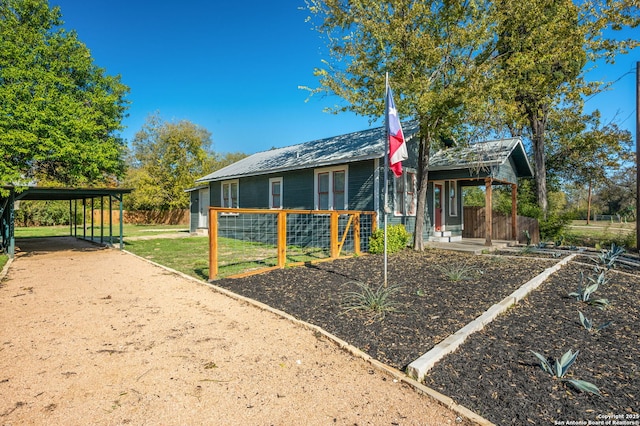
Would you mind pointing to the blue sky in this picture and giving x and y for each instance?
(234, 68)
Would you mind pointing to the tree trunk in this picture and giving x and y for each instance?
(538, 124)
(423, 180)
(589, 204)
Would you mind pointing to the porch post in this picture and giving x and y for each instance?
(514, 212)
(488, 215)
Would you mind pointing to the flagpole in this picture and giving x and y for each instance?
(386, 170)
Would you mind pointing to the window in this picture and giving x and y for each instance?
(331, 188)
(275, 193)
(229, 194)
(405, 200)
(453, 198)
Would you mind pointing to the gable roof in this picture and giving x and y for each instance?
(357, 146)
(483, 155)
(366, 145)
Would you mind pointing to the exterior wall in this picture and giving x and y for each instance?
(298, 189)
(194, 211)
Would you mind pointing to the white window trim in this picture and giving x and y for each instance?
(453, 201)
(229, 182)
(330, 170)
(271, 182)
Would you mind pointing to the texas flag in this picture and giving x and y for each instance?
(397, 146)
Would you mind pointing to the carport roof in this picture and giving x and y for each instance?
(44, 193)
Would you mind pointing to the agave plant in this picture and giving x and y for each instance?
(607, 258)
(588, 324)
(559, 367)
(583, 294)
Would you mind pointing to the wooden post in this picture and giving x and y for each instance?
(334, 235)
(514, 212)
(213, 244)
(282, 238)
(356, 233)
(488, 215)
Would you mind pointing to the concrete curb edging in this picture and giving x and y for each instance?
(419, 368)
(396, 374)
(5, 269)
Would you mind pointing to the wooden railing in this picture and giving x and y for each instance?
(474, 226)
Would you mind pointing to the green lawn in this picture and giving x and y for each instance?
(191, 255)
(3, 260)
(601, 234)
(129, 230)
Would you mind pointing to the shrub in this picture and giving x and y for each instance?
(397, 236)
(553, 227)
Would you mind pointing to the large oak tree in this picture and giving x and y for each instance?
(59, 112)
(429, 49)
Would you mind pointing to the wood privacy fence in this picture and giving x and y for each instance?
(143, 217)
(247, 241)
(474, 226)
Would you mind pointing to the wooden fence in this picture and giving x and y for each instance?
(474, 226)
(139, 217)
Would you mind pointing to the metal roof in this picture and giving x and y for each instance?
(366, 145)
(483, 155)
(42, 193)
(357, 146)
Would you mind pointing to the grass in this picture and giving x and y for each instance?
(601, 234)
(191, 255)
(3, 260)
(129, 230)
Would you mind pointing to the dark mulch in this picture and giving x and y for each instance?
(495, 374)
(430, 306)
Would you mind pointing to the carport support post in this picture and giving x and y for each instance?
(488, 215)
(110, 220)
(514, 212)
(92, 219)
(70, 219)
(84, 218)
(101, 218)
(121, 224)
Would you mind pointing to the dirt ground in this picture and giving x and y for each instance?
(97, 336)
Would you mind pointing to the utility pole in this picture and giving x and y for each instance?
(638, 156)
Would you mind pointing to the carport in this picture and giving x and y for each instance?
(93, 197)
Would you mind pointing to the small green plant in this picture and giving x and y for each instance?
(376, 301)
(458, 271)
(588, 324)
(397, 239)
(559, 367)
(607, 258)
(583, 294)
(527, 236)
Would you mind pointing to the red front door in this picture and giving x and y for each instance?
(437, 206)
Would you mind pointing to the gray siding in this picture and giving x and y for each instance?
(194, 211)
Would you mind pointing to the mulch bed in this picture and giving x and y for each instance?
(429, 305)
(495, 374)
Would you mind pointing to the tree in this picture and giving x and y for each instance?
(166, 159)
(541, 50)
(582, 150)
(430, 50)
(59, 112)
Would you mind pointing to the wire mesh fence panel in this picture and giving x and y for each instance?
(245, 240)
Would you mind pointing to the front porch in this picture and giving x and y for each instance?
(471, 245)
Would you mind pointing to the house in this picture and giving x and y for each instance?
(346, 173)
